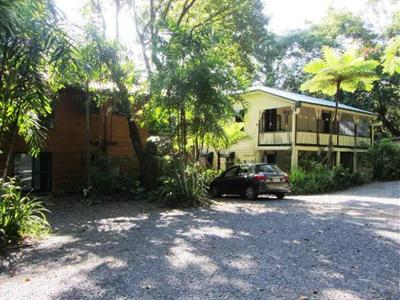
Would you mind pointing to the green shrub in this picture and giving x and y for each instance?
(385, 159)
(320, 179)
(210, 175)
(107, 178)
(183, 185)
(361, 176)
(20, 216)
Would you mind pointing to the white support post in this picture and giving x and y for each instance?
(294, 159)
(294, 154)
(337, 158)
(258, 156)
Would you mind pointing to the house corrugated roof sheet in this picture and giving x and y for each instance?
(303, 98)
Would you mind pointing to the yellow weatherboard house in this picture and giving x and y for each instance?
(283, 127)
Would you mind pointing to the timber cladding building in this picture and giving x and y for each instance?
(72, 133)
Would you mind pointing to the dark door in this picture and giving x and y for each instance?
(326, 119)
(227, 184)
(269, 158)
(42, 167)
(269, 120)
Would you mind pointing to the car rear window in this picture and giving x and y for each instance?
(268, 169)
(246, 169)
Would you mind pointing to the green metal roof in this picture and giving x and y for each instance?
(303, 98)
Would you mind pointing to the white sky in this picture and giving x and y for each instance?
(285, 15)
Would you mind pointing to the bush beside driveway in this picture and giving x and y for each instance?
(343, 245)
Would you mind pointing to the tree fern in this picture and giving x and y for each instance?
(336, 72)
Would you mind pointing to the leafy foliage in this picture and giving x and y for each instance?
(183, 184)
(391, 57)
(231, 134)
(20, 216)
(338, 29)
(318, 178)
(337, 72)
(107, 177)
(350, 70)
(196, 54)
(385, 158)
(33, 50)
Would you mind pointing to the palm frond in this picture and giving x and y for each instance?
(348, 69)
(391, 57)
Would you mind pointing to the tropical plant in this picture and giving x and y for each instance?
(33, 50)
(337, 72)
(20, 216)
(107, 178)
(317, 178)
(337, 29)
(183, 184)
(230, 134)
(385, 159)
(195, 54)
(391, 57)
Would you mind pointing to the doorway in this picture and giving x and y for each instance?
(34, 172)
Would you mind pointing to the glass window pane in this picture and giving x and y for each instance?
(23, 169)
(269, 169)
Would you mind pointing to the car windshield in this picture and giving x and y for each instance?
(269, 169)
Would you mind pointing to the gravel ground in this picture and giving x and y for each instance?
(343, 245)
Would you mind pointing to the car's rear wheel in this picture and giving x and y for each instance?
(215, 192)
(250, 193)
(280, 195)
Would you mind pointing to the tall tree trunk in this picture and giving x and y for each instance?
(87, 140)
(184, 132)
(329, 157)
(10, 151)
(382, 111)
(139, 148)
(134, 135)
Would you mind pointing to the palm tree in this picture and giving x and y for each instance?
(336, 72)
(391, 57)
(228, 135)
(32, 49)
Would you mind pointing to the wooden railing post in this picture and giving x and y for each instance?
(355, 119)
(259, 126)
(317, 115)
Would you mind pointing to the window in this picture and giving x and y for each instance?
(33, 173)
(231, 172)
(269, 158)
(269, 169)
(269, 120)
(363, 128)
(239, 117)
(346, 127)
(326, 120)
(246, 169)
(23, 169)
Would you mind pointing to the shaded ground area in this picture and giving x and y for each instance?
(339, 246)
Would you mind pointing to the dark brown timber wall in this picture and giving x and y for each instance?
(66, 141)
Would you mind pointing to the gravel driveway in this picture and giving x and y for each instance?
(343, 245)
